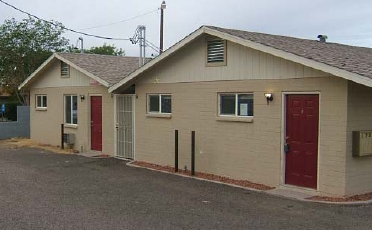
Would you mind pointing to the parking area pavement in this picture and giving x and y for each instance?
(44, 190)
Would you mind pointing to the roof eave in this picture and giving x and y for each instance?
(26, 82)
(158, 59)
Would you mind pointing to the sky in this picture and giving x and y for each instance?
(343, 21)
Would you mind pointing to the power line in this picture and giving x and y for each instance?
(125, 20)
(156, 50)
(63, 27)
(152, 46)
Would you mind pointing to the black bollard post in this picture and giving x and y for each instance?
(192, 153)
(62, 137)
(176, 150)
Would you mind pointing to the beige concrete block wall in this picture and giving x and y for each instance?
(45, 125)
(358, 169)
(250, 151)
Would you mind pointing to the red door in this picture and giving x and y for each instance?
(96, 122)
(302, 122)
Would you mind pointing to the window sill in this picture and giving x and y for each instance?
(159, 115)
(71, 126)
(41, 109)
(236, 119)
(215, 64)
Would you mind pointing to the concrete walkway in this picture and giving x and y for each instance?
(92, 154)
(292, 193)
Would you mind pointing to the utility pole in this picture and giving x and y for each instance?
(144, 44)
(162, 8)
(82, 45)
(140, 37)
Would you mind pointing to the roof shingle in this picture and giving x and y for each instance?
(107, 67)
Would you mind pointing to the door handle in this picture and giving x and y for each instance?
(286, 148)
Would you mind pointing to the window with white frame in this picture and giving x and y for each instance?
(71, 109)
(159, 103)
(41, 101)
(65, 69)
(236, 104)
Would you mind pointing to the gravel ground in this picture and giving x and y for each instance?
(43, 190)
(211, 177)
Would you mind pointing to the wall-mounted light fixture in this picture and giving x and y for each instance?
(82, 98)
(269, 97)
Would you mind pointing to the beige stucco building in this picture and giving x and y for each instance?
(218, 81)
(72, 89)
(274, 110)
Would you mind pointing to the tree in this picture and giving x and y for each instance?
(107, 50)
(24, 46)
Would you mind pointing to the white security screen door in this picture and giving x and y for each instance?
(125, 126)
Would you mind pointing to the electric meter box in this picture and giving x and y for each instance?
(362, 143)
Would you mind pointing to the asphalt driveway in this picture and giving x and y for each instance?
(43, 190)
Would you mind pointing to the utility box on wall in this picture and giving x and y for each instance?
(362, 143)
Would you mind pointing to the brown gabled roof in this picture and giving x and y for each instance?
(349, 62)
(106, 67)
(354, 59)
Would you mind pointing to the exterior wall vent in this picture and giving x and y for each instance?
(216, 51)
(65, 69)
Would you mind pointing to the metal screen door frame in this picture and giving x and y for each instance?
(124, 126)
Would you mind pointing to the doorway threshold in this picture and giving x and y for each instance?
(94, 154)
(293, 192)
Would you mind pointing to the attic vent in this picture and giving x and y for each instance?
(65, 69)
(216, 52)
